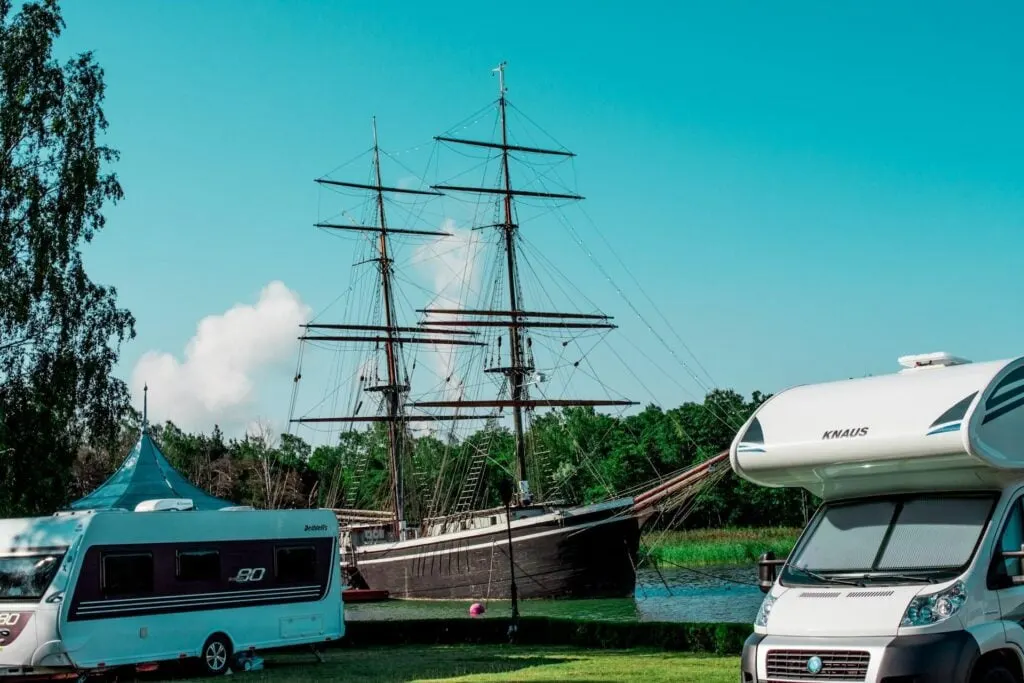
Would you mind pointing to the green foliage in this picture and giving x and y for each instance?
(579, 456)
(715, 638)
(59, 331)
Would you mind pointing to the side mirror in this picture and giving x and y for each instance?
(766, 571)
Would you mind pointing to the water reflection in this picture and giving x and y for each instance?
(718, 594)
(712, 594)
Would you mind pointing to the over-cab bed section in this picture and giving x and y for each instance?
(941, 421)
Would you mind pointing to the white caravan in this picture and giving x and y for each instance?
(86, 591)
(910, 571)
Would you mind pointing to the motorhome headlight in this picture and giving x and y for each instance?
(935, 607)
(764, 611)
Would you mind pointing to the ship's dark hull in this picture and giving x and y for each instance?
(591, 555)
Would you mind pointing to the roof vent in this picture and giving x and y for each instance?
(939, 359)
(164, 504)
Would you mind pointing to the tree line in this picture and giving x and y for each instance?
(581, 456)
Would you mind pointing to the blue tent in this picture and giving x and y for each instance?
(144, 475)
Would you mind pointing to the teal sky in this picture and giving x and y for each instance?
(807, 190)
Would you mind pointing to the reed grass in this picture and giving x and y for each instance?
(710, 547)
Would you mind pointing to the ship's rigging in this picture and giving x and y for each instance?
(390, 335)
(498, 329)
(520, 364)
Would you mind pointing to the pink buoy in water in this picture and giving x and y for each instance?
(476, 609)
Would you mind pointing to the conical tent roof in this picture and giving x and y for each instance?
(144, 475)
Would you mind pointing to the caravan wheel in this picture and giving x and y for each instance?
(215, 655)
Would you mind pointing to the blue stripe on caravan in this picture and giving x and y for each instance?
(955, 427)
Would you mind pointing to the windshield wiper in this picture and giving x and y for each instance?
(907, 577)
(827, 579)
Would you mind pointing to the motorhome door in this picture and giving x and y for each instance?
(1005, 579)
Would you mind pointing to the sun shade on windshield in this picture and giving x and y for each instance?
(926, 533)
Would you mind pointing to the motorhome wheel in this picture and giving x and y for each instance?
(994, 673)
(215, 655)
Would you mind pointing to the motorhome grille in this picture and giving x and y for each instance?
(805, 594)
(869, 594)
(836, 665)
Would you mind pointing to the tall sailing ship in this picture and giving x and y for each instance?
(414, 547)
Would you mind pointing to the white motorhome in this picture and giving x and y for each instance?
(910, 571)
(97, 590)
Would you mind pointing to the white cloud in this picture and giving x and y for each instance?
(450, 264)
(215, 381)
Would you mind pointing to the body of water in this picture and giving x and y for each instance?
(705, 594)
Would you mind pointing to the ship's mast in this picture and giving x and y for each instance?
(520, 366)
(391, 335)
(392, 390)
(517, 369)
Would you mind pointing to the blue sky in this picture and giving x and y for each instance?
(807, 190)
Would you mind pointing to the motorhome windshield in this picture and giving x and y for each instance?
(26, 577)
(890, 540)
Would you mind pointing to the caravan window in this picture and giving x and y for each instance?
(198, 565)
(26, 577)
(295, 564)
(127, 574)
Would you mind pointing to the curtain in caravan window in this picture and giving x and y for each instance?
(198, 565)
(127, 574)
(296, 564)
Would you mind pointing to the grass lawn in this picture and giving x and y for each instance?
(707, 547)
(493, 663)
